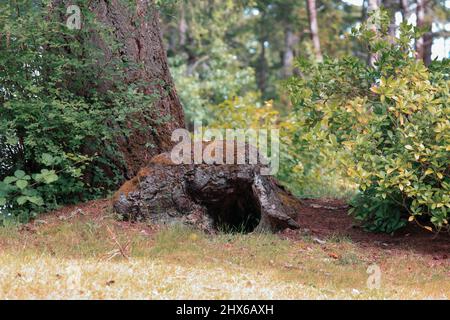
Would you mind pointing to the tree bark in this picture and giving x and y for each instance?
(404, 5)
(364, 10)
(290, 40)
(182, 27)
(373, 5)
(314, 28)
(262, 68)
(136, 28)
(424, 20)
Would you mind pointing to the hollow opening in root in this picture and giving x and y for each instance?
(234, 210)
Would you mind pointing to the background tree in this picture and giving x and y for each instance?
(314, 28)
(424, 22)
(405, 9)
(373, 6)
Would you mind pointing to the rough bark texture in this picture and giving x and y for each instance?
(211, 197)
(140, 33)
(136, 28)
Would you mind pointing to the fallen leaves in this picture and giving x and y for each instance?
(110, 282)
(333, 255)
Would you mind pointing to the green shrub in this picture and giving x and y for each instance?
(387, 128)
(220, 77)
(58, 131)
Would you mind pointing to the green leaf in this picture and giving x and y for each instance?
(21, 184)
(2, 201)
(19, 174)
(22, 200)
(12, 140)
(51, 177)
(9, 180)
(46, 176)
(29, 192)
(47, 159)
(36, 200)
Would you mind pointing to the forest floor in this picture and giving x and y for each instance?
(81, 252)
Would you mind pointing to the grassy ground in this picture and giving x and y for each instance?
(86, 257)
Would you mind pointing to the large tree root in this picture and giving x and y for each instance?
(235, 198)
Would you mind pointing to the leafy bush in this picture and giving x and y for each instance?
(215, 78)
(58, 130)
(386, 126)
(244, 112)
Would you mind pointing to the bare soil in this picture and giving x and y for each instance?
(325, 218)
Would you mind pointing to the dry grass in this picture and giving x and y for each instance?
(87, 258)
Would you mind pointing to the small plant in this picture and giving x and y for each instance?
(20, 194)
(378, 214)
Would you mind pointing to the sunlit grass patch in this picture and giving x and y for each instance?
(82, 259)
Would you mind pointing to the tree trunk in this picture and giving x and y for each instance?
(262, 68)
(290, 40)
(136, 28)
(424, 20)
(182, 26)
(404, 5)
(314, 28)
(373, 6)
(364, 10)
